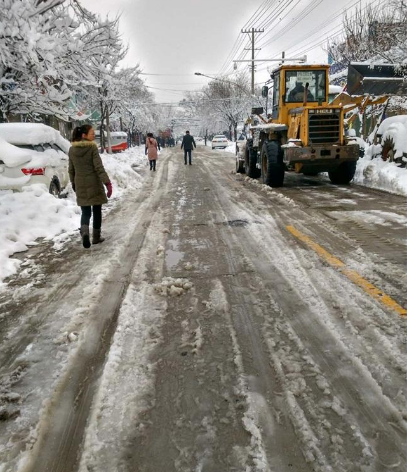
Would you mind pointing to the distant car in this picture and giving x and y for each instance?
(220, 141)
(32, 153)
(198, 139)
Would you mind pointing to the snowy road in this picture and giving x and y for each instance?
(223, 326)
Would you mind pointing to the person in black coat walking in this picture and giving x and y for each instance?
(188, 143)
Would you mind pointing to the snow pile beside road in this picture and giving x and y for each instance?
(231, 147)
(24, 217)
(376, 173)
(122, 169)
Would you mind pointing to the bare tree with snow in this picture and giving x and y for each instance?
(373, 32)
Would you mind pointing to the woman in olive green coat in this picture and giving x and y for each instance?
(87, 176)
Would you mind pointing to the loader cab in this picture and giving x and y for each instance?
(290, 84)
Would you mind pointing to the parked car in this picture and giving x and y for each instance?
(32, 153)
(219, 141)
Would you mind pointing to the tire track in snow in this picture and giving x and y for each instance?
(196, 421)
(368, 409)
(62, 423)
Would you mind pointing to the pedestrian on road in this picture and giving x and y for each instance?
(151, 150)
(87, 176)
(188, 143)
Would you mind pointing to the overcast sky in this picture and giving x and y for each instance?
(179, 37)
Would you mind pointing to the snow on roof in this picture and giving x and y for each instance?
(32, 133)
(119, 133)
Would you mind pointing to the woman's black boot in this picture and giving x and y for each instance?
(96, 237)
(85, 236)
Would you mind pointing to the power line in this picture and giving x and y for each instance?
(239, 41)
(178, 83)
(271, 19)
(331, 34)
(173, 90)
(188, 102)
(173, 75)
(287, 28)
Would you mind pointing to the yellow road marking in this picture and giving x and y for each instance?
(350, 274)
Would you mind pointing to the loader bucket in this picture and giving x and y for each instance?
(379, 79)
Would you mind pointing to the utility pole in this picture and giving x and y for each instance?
(252, 32)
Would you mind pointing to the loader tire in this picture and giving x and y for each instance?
(343, 174)
(250, 161)
(272, 166)
(239, 166)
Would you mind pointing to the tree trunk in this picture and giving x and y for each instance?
(102, 134)
(109, 141)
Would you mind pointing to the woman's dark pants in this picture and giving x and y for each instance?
(152, 164)
(87, 213)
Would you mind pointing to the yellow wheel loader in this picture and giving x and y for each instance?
(304, 134)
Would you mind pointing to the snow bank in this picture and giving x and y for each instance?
(28, 215)
(122, 169)
(35, 213)
(376, 173)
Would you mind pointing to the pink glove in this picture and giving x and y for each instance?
(109, 189)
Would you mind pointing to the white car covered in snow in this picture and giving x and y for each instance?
(220, 141)
(32, 153)
(392, 136)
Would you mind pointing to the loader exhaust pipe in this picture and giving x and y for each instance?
(305, 94)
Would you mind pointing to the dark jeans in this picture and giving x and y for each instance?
(189, 152)
(152, 164)
(97, 216)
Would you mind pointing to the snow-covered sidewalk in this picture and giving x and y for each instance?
(376, 173)
(34, 213)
